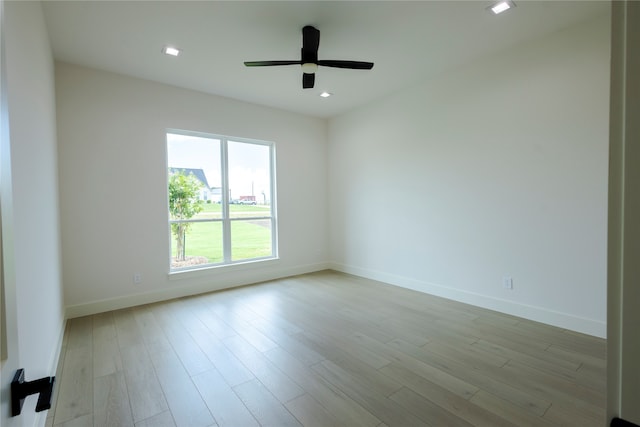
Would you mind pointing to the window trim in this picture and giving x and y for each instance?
(226, 220)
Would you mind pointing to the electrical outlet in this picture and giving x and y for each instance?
(507, 283)
(137, 278)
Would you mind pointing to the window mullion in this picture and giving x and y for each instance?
(272, 189)
(226, 224)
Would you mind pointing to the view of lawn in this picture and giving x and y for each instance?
(249, 239)
(214, 210)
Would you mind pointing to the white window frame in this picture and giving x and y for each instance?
(226, 220)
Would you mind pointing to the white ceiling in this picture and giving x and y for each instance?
(407, 41)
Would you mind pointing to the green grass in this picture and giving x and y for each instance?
(214, 210)
(248, 240)
(202, 239)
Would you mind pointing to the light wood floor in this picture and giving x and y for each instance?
(324, 349)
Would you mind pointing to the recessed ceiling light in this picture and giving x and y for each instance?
(325, 94)
(170, 50)
(501, 6)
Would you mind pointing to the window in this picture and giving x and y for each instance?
(221, 200)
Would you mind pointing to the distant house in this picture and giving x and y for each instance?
(206, 192)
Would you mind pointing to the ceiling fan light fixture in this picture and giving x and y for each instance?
(501, 6)
(309, 68)
(171, 51)
(309, 59)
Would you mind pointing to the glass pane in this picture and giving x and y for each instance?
(249, 169)
(196, 243)
(250, 239)
(195, 184)
(210, 210)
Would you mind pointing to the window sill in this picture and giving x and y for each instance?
(209, 270)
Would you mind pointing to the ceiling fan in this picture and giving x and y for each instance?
(309, 59)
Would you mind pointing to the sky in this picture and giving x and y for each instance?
(248, 163)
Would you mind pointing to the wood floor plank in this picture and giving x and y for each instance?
(83, 421)
(104, 326)
(435, 375)
(324, 315)
(458, 406)
(223, 403)
(233, 371)
(302, 352)
(507, 410)
(190, 354)
(414, 381)
(186, 404)
(592, 376)
(499, 387)
(279, 384)
(553, 365)
(310, 413)
(326, 343)
(548, 362)
(264, 406)
(349, 362)
(163, 419)
(426, 410)
(491, 317)
(75, 397)
(569, 415)
(363, 391)
(467, 355)
(569, 340)
(367, 320)
(253, 335)
(578, 358)
(111, 402)
(210, 320)
(324, 349)
(444, 399)
(552, 385)
(127, 329)
(504, 335)
(80, 332)
(345, 409)
(269, 319)
(240, 320)
(145, 394)
(147, 323)
(106, 351)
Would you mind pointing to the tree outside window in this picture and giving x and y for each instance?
(183, 205)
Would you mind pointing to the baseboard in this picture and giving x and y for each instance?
(203, 286)
(538, 314)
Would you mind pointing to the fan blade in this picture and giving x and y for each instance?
(356, 65)
(310, 43)
(308, 80)
(270, 63)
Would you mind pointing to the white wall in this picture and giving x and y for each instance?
(495, 169)
(112, 154)
(36, 243)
